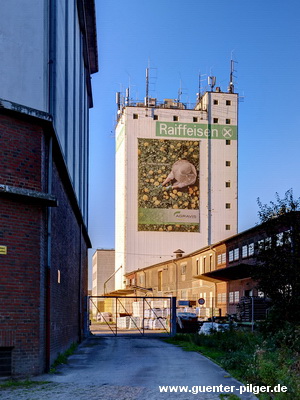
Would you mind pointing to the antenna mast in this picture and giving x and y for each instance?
(147, 88)
(231, 85)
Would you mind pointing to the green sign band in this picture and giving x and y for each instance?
(196, 131)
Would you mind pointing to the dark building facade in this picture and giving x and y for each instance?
(44, 189)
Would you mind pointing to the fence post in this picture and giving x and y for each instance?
(173, 316)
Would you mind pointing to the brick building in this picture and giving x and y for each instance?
(220, 273)
(44, 103)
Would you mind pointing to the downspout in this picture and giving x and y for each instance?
(111, 276)
(51, 107)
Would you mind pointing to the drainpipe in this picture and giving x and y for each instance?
(51, 108)
(112, 275)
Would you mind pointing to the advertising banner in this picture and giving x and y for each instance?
(196, 131)
(168, 185)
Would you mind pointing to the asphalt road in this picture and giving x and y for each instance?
(126, 368)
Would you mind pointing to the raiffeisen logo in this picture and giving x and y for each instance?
(196, 131)
(178, 214)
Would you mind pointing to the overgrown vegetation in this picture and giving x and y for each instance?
(259, 358)
(27, 383)
(278, 256)
(62, 358)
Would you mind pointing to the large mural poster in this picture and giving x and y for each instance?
(168, 185)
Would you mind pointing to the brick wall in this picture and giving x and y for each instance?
(69, 252)
(23, 229)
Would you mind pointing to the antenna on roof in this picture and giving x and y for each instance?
(147, 88)
(179, 92)
(127, 97)
(212, 82)
(232, 70)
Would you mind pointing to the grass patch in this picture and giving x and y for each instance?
(258, 358)
(10, 384)
(62, 358)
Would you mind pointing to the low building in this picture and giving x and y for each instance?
(103, 279)
(220, 274)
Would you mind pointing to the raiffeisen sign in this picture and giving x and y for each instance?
(196, 131)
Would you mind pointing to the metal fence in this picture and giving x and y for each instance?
(115, 315)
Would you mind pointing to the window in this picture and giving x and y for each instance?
(198, 267)
(236, 296)
(228, 121)
(268, 243)
(216, 120)
(245, 251)
(195, 119)
(183, 268)
(227, 227)
(216, 102)
(155, 117)
(210, 262)
(236, 255)
(227, 184)
(228, 102)
(228, 205)
(230, 297)
(228, 163)
(184, 294)
(223, 298)
(279, 241)
(204, 263)
(228, 142)
(135, 116)
(223, 258)
(230, 256)
(250, 249)
(159, 281)
(175, 118)
(141, 280)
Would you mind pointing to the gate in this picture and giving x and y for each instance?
(135, 315)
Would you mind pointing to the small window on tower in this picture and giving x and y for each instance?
(216, 102)
(227, 184)
(228, 102)
(195, 119)
(228, 121)
(228, 142)
(216, 120)
(228, 205)
(155, 117)
(227, 227)
(175, 118)
(228, 163)
(135, 116)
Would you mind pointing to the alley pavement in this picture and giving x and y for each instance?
(129, 368)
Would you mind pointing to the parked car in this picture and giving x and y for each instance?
(209, 327)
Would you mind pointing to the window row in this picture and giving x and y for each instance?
(195, 119)
(227, 102)
(248, 250)
(233, 297)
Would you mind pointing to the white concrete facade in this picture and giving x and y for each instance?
(213, 125)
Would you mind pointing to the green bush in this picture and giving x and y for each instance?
(266, 358)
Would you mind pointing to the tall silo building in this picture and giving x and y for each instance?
(176, 176)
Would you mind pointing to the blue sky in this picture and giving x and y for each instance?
(180, 39)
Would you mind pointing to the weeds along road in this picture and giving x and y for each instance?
(127, 368)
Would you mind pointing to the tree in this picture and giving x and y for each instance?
(277, 271)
